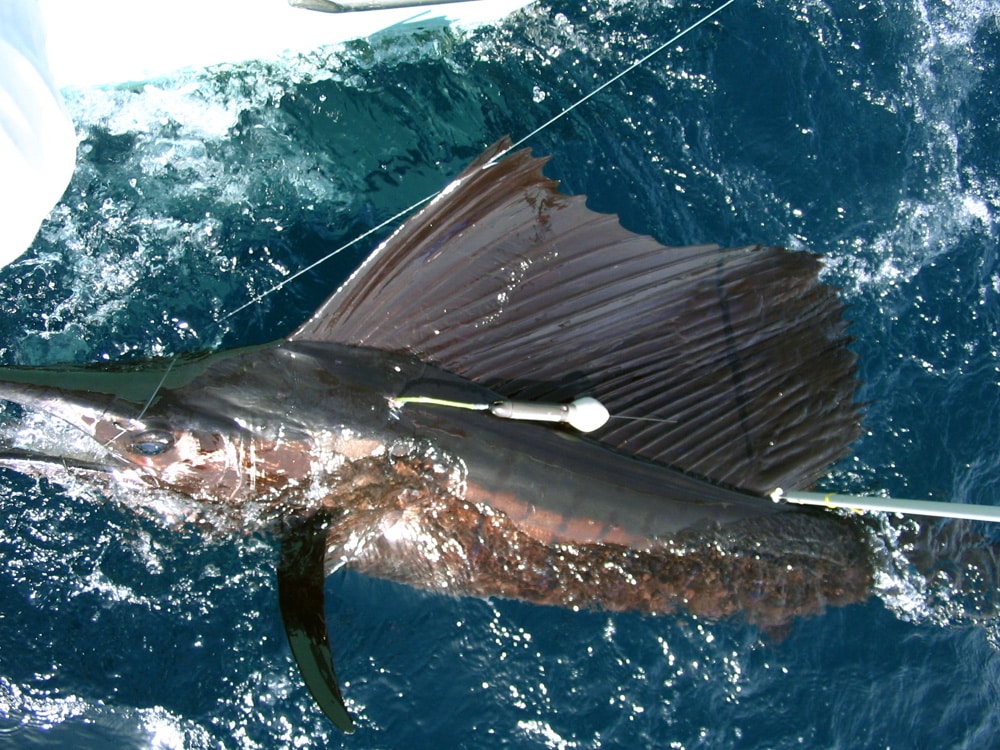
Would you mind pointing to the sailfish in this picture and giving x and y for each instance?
(373, 437)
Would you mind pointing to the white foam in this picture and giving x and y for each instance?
(543, 733)
(155, 728)
(949, 199)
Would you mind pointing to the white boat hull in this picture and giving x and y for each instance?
(101, 42)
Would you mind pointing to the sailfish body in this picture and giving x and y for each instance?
(345, 438)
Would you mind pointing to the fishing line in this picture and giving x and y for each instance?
(423, 201)
(614, 79)
(660, 420)
(520, 142)
(281, 284)
(149, 401)
(156, 390)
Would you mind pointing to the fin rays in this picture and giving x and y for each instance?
(740, 353)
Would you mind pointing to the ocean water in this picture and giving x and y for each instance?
(866, 131)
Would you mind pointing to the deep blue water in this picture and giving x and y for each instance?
(866, 131)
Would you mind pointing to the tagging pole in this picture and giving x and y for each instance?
(889, 505)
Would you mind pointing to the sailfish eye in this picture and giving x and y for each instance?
(150, 443)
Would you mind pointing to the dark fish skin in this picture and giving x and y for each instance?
(502, 288)
(450, 500)
(768, 570)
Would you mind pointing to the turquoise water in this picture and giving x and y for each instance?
(865, 131)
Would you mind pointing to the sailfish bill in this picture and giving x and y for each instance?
(344, 439)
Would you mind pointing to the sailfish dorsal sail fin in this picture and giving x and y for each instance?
(735, 359)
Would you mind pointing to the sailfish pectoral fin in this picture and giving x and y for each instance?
(300, 596)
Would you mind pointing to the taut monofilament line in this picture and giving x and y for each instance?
(516, 144)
